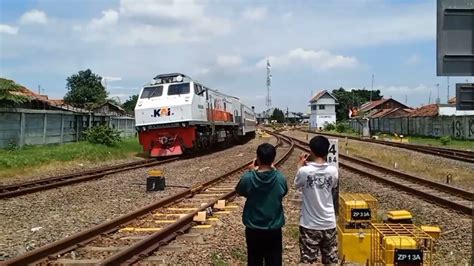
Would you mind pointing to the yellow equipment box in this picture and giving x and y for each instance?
(399, 215)
(355, 207)
(354, 244)
(433, 231)
(393, 243)
(400, 244)
(356, 211)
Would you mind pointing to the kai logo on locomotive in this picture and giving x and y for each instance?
(160, 112)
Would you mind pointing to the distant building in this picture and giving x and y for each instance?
(109, 108)
(323, 110)
(382, 108)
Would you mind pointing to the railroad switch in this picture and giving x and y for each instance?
(155, 181)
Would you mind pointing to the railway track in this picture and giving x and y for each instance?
(18, 189)
(460, 155)
(132, 237)
(454, 198)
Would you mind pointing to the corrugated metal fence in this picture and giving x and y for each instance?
(33, 127)
(461, 127)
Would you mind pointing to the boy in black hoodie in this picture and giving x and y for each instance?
(264, 187)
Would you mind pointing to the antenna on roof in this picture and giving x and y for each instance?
(372, 87)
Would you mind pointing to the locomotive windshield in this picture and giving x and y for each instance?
(150, 92)
(177, 89)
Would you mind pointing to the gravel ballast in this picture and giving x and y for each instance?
(40, 218)
(226, 244)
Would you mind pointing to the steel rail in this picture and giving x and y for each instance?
(19, 189)
(142, 248)
(467, 195)
(52, 250)
(460, 155)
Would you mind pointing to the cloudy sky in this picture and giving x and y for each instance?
(312, 45)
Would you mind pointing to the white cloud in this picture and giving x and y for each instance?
(257, 13)
(229, 60)
(172, 9)
(413, 59)
(111, 78)
(287, 15)
(109, 18)
(7, 29)
(34, 17)
(319, 60)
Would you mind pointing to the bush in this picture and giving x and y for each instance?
(102, 135)
(445, 140)
(342, 127)
(329, 127)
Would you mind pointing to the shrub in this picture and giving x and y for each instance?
(102, 135)
(12, 146)
(445, 140)
(342, 127)
(329, 127)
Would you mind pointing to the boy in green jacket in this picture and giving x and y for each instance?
(264, 187)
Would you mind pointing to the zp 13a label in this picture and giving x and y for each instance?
(408, 257)
(360, 214)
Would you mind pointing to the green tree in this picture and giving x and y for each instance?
(354, 98)
(8, 97)
(129, 105)
(278, 115)
(85, 87)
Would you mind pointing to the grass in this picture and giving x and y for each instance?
(24, 160)
(217, 259)
(292, 231)
(427, 167)
(239, 254)
(430, 141)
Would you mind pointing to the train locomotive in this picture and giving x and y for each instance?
(175, 114)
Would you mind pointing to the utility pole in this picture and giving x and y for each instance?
(39, 89)
(429, 99)
(269, 80)
(447, 96)
(438, 100)
(372, 87)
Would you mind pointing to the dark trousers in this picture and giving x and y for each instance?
(264, 246)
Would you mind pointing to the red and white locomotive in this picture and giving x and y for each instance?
(175, 114)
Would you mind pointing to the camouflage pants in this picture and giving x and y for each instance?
(312, 241)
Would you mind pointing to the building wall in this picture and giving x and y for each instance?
(320, 117)
(35, 127)
(461, 127)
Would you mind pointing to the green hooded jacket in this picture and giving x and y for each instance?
(264, 192)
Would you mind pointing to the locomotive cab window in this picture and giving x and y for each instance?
(198, 90)
(178, 89)
(150, 92)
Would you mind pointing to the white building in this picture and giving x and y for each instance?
(323, 110)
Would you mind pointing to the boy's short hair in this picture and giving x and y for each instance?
(319, 145)
(266, 153)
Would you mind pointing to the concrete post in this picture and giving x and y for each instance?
(126, 127)
(45, 124)
(62, 128)
(22, 129)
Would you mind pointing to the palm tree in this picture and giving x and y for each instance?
(10, 93)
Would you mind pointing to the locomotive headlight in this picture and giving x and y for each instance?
(179, 78)
(153, 82)
(183, 124)
(143, 128)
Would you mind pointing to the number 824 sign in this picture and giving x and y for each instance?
(333, 155)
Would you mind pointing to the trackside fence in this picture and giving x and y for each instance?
(460, 127)
(21, 127)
